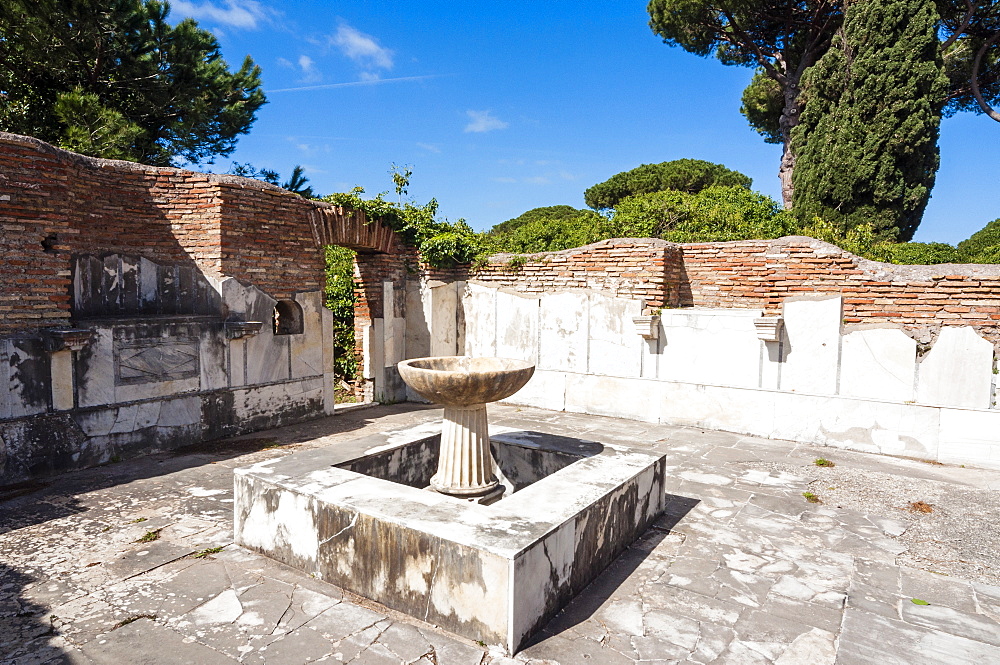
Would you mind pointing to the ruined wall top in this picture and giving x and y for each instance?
(56, 204)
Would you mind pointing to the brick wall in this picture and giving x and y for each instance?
(55, 204)
(761, 273)
(642, 268)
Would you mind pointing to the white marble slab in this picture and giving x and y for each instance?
(957, 371)
(615, 348)
(563, 332)
(879, 363)
(517, 326)
(811, 345)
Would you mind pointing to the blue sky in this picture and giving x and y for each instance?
(503, 107)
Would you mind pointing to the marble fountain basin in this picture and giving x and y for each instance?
(463, 380)
(358, 514)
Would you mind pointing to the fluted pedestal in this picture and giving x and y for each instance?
(465, 466)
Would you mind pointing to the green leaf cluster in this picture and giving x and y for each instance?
(113, 78)
(713, 214)
(685, 175)
(341, 300)
(866, 144)
(442, 244)
(546, 229)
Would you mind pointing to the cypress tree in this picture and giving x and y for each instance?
(866, 144)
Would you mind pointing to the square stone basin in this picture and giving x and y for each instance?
(356, 514)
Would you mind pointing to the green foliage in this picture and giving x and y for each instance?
(546, 229)
(713, 214)
(983, 246)
(685, 175)
(555, 214)
(923, 253)
(92, 128)
(762, 105)
(442, 244)
(248, 170)
(340, 300)
(866, 145)
(115, 78)
(297, 183)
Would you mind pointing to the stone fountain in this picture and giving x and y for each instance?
(465, 386)
(517, 522)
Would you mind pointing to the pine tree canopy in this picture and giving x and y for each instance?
(684, 175)
(112, 78)
(866, 144)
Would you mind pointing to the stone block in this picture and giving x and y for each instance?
(307, 349)
(546, 390)
(880, 363)
(268, 357)
(615, 349)
(480, 316)
(969, 436)
(444, 318)
(710, 346)
(95, 370)
(637, 399)
(957, 371)
(213, 362)
(811, 345)
(418, 319)
(563, 332)
(442, 559)
(517, 326)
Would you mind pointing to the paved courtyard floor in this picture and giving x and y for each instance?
(134, 562)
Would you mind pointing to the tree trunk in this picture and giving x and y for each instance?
(789, 119)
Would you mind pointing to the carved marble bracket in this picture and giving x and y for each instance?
(241, 329)
(647, 327)
(769, 328)
(67, 339)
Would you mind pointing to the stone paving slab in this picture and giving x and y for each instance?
(134, 562)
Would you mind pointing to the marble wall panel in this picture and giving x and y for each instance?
(517, 326)
(957, 371)
(811, 345)
(615, 347)
(563, 332)
(710, 346)
(878, 363)
(479, 315)
(307, 348)
(546, 390)
(444, 318)
(636, 399)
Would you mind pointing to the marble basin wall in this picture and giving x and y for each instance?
(494, 574)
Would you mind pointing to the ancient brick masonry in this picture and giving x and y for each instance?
(642, 268)
(55, 204)
(761, 274)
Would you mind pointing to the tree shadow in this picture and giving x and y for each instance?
(27, 625)
(52, 497)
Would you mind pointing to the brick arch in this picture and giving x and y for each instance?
(336, 225)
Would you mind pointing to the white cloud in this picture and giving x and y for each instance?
(369, 76)
(284, 62)
(483, 121)
(309, 72)
(247, 14)
(429, 147)
(361, 48)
